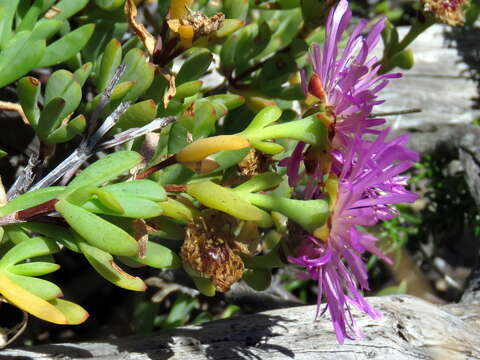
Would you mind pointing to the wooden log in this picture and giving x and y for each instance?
(409, 329)
(440, 83)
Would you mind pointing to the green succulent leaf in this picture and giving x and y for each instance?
(230, 101)
(285, 26)
(106, 169)
(159, 256)
(63, 84)
(29, 302)
(37, 268)
(42, 288)
(31, 248)
(21, 54)
(111, 59)
(195, 66)
(28, 90)
(133, 207)
(265, 117)
(30, 19)
(138, 70)
(74, 313)
(261, 182)
(82, 73)
(31, 198)
(67, 46)
(229, 27)
(109, 4)
(7, 15)
(188, 89)
(235, 9)
(15, 233)
(68, 8)
(200, 117)
(46, 29)
(50, 117)
(138, 115)
(257, 279)
(252, 40)
(54, 232)
(104, 264)
(223, 199)
(310, 214)
(145, 189)
(68, 131)
(97, 231)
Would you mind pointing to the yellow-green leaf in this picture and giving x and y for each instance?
(30, 303)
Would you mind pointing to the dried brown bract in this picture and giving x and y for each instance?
(202, 24)
(207, 249)
(254, 163)
(447, 11)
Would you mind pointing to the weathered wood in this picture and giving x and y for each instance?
(440, 82)
(410, 329)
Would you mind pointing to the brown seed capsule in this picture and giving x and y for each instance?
(446, 11)
(254, 163)
(207, 249)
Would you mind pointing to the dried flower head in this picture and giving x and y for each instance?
(208, 249)
(447, 11)
(254, 163)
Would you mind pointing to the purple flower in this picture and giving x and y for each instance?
(346, 82)
(361, 175)
(364, 182)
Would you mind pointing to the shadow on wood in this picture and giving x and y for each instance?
(409, 329)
